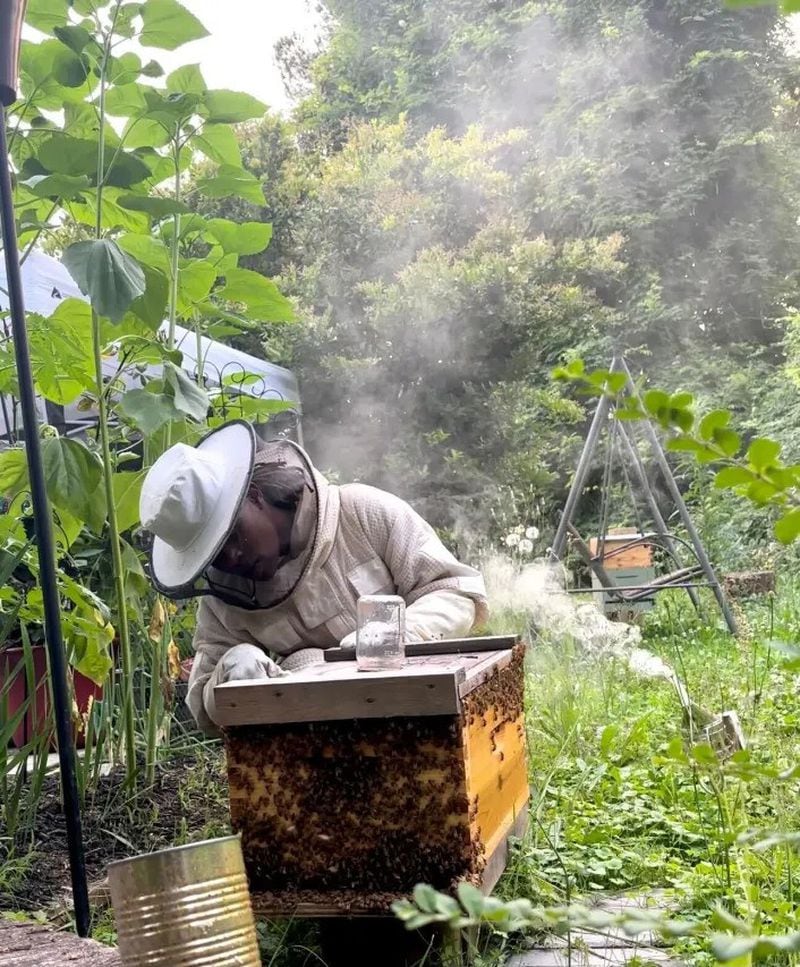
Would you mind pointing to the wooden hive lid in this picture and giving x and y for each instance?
(330, 691)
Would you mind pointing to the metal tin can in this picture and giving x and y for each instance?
(185, 907)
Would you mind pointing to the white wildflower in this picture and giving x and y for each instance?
(512, 539)
(532, 533)
(525, 546)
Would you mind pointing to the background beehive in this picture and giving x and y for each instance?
(350, 812)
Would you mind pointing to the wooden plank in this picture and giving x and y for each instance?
(313, 697)
(28, 944)
(497, 862)
(323, 906)
(497, 775)
(443, 646)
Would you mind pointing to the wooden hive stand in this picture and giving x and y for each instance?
(349, 788)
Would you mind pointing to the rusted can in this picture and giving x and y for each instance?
(185, 907)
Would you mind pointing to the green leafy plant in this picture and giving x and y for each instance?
(103, 146)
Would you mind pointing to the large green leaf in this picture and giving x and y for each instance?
(76, 38)
(219, 143)
(763, 453)
(190, 399)
(107, 275)
(148, 251)
(125, 24)
(72, 475)
(195, 280)
(787, 528)
(113, 217)
(168, 25)
(144, 132)
(251, 408)
(125, 69)
(186, 80)
(148, 411)
(88, 633)
(57, 186)
(81, 122)
(126, 100)
(259, 294)
(127, 487)
(125, 169)
(231, 107)
(152, 306)
(66, 155)
(46, 15)
(173, 110)
(52, 75)
(715, 420)
(242, 238)
(157, 206)
(231, 181)
(733, 477)
(13, 471)
(61, 351)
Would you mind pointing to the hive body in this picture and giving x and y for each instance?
(345, 814)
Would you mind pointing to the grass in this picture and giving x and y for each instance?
(617, 805)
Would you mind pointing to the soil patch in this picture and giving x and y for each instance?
(187, 802)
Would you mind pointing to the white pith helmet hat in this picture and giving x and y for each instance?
(191, 498)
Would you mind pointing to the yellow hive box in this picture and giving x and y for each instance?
(348, 788)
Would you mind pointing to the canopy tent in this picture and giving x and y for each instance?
(46, 283)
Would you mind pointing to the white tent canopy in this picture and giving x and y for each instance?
(46, 283)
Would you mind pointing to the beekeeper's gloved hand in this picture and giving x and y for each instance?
(302, 659)
(440, 614)
(247, 663)
(239, 664)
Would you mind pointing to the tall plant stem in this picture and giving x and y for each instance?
(105, 446)
(175, 245)
(116, 559)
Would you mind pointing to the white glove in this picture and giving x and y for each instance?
(247, 663)
(299, 660)
(239, 664)
(440, 614)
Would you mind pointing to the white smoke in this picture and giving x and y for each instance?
(538, 590)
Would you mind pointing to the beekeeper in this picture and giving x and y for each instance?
(280, 558)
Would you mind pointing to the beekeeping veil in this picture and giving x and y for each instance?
(190, 502)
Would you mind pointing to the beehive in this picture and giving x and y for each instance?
(621, 551)
(348, 788)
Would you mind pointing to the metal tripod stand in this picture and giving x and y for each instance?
(680, 578)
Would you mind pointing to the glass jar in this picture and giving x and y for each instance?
(381, 632)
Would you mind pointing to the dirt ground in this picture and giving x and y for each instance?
(187, 802)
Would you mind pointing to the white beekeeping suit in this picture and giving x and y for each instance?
(346, 541)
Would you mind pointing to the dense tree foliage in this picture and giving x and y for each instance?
(475, 190)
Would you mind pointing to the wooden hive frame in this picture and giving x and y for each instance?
(350, 788)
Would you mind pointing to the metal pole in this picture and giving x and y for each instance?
(655, 513)
(44, 544)
(581, 473)
(676, 495)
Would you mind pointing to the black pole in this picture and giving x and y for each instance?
(44, 542)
